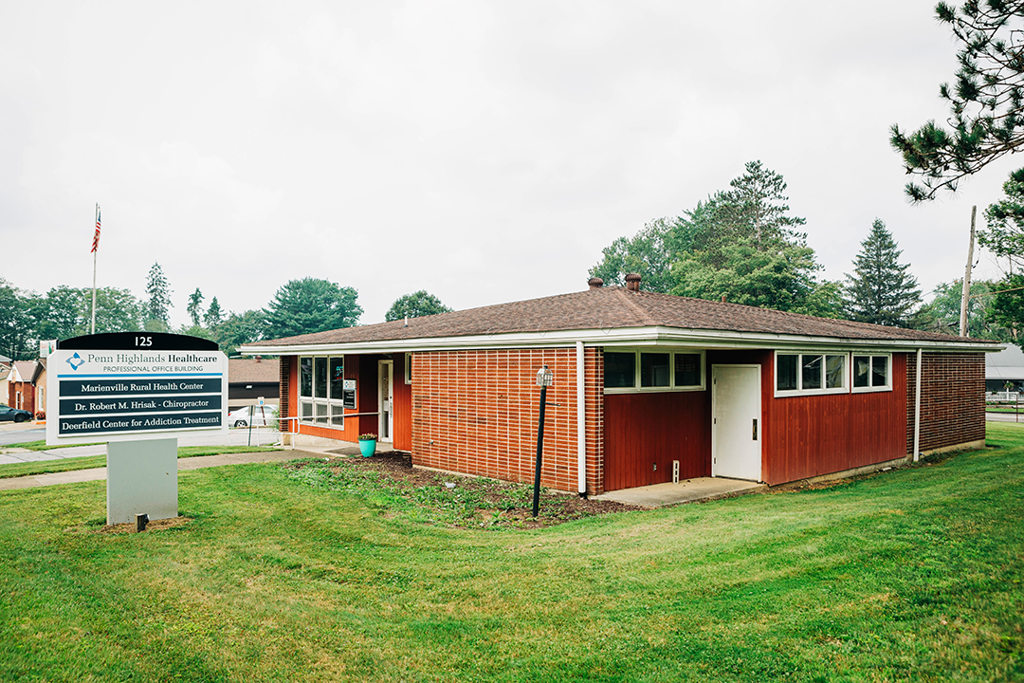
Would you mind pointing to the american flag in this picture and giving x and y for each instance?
(96, 235)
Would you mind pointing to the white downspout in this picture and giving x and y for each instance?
(917, 409)
(581, 422)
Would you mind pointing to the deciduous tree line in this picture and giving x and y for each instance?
(745, 245)
(298, 307)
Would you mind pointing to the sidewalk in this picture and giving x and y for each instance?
(199, 462)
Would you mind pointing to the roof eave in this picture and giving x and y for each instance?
(635, 336)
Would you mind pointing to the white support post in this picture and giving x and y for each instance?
(581, 421)
(917, 409)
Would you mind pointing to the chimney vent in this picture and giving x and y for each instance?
(633, 282)
(595, 283)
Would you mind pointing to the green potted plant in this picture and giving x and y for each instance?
(367, 444)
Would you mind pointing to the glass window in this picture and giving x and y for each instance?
(879, 371)
(862, 371)
(336, 366)
(305, 377)
(321, 412)
(811, 377)
(337, 415)
(408, 368)
(619, 369)
(320, 377)
(306, 411)
(785, 379)
(687, 369)
(655, 370)
(835, 372)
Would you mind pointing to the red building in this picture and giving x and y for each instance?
(647, 387)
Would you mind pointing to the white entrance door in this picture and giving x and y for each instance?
(385, 399)
(736, 421)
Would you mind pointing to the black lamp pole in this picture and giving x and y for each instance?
(543, 379)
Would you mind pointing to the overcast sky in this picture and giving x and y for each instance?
(484, 151)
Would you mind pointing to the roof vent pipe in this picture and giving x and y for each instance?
(633, 282)
(595, 283)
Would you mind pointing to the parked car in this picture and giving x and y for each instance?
(258, 416)
(9, 413)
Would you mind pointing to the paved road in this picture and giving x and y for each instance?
(1004, 417)
(20, 433)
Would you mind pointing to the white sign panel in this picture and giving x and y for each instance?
(101, 395)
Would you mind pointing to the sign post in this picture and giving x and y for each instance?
(136, 391)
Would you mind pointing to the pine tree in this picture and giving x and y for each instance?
(881, 291)
(195, 306)
(213, 315)
(158, 305)
(986, 102)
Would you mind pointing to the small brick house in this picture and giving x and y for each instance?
(648, 388)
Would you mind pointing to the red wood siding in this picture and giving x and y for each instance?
(644, 433)
(952, 399)
(402, 406)
(810, 435)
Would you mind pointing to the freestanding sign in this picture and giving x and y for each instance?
(136, 391)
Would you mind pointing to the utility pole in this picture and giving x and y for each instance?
(967, 277)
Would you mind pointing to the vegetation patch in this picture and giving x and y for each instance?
(390, 482)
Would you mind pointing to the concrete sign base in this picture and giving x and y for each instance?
(142, 477)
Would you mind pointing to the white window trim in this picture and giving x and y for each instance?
(329, 401)
(637, 389)
(787, 393)
(888, 374)
(407, 368)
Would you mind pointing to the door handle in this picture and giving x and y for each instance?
(754, 437)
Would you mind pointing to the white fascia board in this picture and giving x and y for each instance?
(631, 336)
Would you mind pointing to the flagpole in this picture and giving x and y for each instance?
(95, 248)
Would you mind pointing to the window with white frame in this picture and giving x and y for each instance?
(810, 373)
(320, 390)
(872, 372)
(408, 368)
(627, 371)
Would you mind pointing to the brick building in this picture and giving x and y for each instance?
(648, 387)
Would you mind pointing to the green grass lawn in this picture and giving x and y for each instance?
(22, 469)
(912, 574)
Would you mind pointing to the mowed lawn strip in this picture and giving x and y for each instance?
(23, 469)
(911, 574)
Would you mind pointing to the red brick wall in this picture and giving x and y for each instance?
(476, 412)
(952, 399)
(593, 369)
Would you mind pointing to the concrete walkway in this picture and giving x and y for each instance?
(687, 491)
(199, 462)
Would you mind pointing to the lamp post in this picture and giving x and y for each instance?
(545, 379)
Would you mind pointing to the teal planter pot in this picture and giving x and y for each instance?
(367, 447)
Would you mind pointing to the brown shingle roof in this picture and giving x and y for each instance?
(608, 308)
(252, 370)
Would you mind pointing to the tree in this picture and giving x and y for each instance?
(415, 305)
(158, 305)
(238, 329)
(195, 307)
(117, 310)
(986, 101)
(213, 314)
(880, 290)
(310, 305)
(942, 313)
(16, 323)
(743, 243)
(645, 253)
(59, 313)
